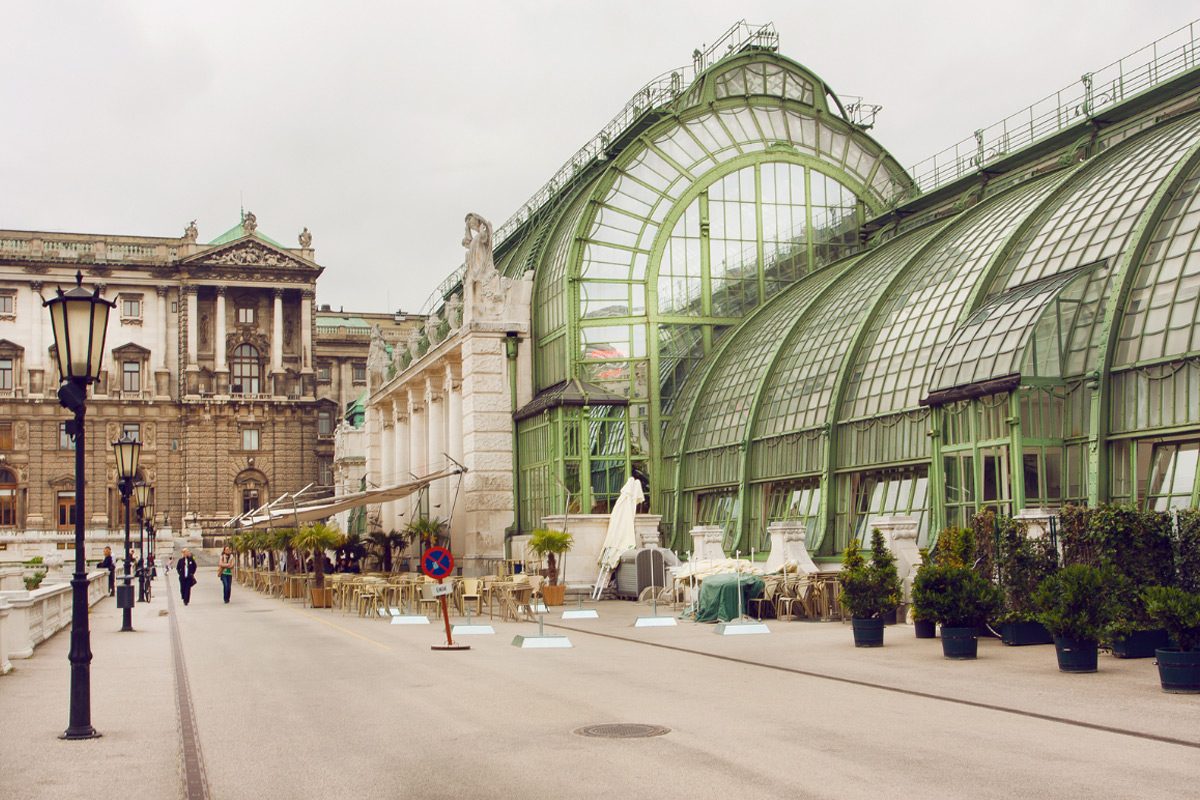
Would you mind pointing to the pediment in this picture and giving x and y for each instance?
(130, 349)
(10, 348)
(250, 252)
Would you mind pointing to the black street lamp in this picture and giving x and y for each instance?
(127, 450)
(141, 494)
(80, 321)
(152, 562)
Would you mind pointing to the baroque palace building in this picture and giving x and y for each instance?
(736, 295)
(216, 358)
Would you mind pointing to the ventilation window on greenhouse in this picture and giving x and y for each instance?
(719, 508)
(995, 483)
(1042, 470)
(1173, 476)
(795, 501)
(899, 493)
(960, 488)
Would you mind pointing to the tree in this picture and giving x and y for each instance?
(550, 544)
(316, 538)
(426, 530)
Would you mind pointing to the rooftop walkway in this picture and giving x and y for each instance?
(291, 702)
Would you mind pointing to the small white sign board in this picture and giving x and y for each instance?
(581, 613)
(741, 628)
(443, 589)
(541, 642)
(473, 630)
(654, 622)
(410, 619)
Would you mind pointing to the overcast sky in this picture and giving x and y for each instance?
(379, 125)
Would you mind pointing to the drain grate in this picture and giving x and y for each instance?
(622, 730)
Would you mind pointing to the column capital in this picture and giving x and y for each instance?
(36, 286)
(277, 292)
(220, 290)
(188, 288)
(161, 291)
(308, 294)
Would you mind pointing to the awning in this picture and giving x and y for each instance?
(282, 513)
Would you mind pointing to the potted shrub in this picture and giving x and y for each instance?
(961, 600)
(317, 538)
(1023, 564)
(1076, 606)
(924, 627)
(870, 589)
(550, 544)
(1136, 548)
(1179, 612)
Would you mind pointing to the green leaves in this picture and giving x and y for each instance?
(1176, 610)
(545, 541)
(870, 589)
(954, 595)
(1077, 603)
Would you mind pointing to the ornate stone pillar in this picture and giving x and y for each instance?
(277, 343)
(191, 368)
(454, 411)
(436, 446)
(222, 367)
(306, 341)
(35, 360)
(707, 543)
(789, 543)
(387, 460)
(403, 467)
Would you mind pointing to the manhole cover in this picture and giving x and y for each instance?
(622, 730)
(259, 610)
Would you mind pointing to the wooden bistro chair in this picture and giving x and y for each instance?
(472, 592)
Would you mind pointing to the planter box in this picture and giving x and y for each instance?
(321, 598)
(554, 595)
(1140, 644)
(925, 628)
(1179, 670)
(959, 644)
(1019, 634)
(1076, 655)
(867, 632)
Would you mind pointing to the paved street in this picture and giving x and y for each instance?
(292, 702)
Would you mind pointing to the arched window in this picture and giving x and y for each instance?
(246, 368)
(8, 499)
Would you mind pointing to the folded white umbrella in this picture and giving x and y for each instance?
(621, 534)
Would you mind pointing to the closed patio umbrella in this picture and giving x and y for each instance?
(620, 536)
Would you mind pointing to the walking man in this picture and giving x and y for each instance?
(107, 563)
(185, 570)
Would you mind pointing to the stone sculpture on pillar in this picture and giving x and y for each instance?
(487, 294)
(377, 360)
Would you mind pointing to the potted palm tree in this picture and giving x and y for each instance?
(427, 531)
(317, 538)
(1077, 606)
(385, 545)
(870, 589)
(550, 544)
(1178, 611)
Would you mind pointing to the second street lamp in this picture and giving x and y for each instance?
(148, 563)
(141, 493)
(127, 450)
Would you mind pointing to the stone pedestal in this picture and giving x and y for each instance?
(5, 664)
(900, 533)
(646, 531)
(1037, 521)
(707, 543)
(16, 626)
(54, 569)
(789, 543)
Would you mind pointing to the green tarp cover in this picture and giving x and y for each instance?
(718, 596)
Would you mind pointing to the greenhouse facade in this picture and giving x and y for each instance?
(740, 298)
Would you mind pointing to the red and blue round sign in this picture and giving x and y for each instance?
(437, 562)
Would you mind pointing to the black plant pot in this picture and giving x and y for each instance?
(1140, 644)
(1023, 633)
(925, 628)
(1076, 655)
(959, 644)
(1179, 670)
(867, 632)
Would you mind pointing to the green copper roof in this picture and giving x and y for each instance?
(237, 232)
(345, 321)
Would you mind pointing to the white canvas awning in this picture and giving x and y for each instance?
(286, 513)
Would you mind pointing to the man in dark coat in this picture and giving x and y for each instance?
(108, 564)
(185, 570)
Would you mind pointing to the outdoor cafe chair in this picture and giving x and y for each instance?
(472, 592)
(427, 599)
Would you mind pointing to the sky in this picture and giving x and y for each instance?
(379, 125)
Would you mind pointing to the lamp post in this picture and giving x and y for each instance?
(141, 493)
(127, 450)
(80, 321)
(151, 563)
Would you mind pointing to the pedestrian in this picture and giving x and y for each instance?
(108, 564)
(225, 570)
(185, 569)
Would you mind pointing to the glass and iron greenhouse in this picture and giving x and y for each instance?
(742, 299)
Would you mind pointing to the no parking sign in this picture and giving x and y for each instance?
(437, 562)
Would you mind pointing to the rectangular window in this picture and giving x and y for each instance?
(6, 374)
(324, 374)
(1173, 471)
(131, 376)
(65, 441)
(6, 436)
(249, 438)
(249, 500)
(8, 508)
(131, 307)
(132, 430)
(245, 315)
(324, 472)
(66, 510)
(360, 373)
(324, 422)
(8, 304)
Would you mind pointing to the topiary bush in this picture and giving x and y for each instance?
(1075, 603)
(1176, 610)
(1187, 550)
(870, 589)
(955, 595)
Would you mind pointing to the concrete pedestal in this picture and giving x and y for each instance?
(789, 543)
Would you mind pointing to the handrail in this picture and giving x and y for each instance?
(659, 92)
(1104, 88)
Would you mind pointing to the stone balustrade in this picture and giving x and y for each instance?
(29, 618)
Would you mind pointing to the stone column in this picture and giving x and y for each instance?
(387, 461)
(222, 367)
(5, 664)
(436, 446)
(306, 301)
(454, 447)
(416, 436)
(162, 376)
(403, 467)
(373, 433)
(35, 359)
(193, 323)
(277, 344)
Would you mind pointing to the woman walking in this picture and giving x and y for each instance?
(225, 570)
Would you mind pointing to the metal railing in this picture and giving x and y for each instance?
(655, 94)
(1096, 91)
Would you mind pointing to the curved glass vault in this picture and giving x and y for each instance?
(781, 329)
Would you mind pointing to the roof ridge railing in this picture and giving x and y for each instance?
(657, 93)
(1163, 59)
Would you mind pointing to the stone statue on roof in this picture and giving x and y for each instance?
(305, 239)
(377, 359)
(483, 288)
(249, 222)
(478, 240)
(191, 232)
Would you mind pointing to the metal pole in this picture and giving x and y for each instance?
(127, 612)
(142, 557)
(80, 656)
